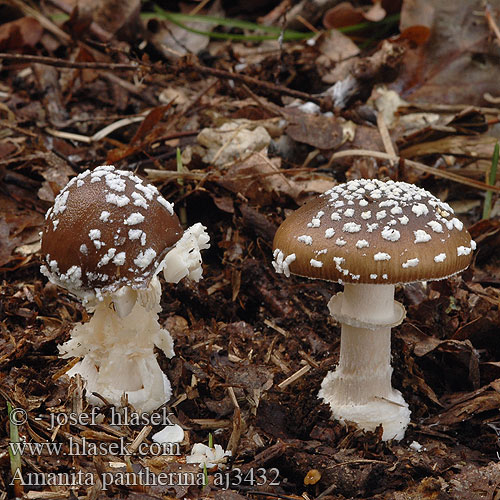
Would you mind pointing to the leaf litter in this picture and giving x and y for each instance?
(252, 348)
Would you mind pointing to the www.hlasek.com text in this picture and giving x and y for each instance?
(82, 447)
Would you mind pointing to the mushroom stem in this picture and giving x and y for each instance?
(360, 390)
(117, 350)
(365, 364)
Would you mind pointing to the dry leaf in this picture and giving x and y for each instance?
(19, 34)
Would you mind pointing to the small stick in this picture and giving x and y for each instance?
(386, 138)
(46, 23)
(275, 111)
(308, 358)
(280, 363)
(45, 495)
(491, 22)
(416, 165)
(292, 378)
(200, 6)
(63, 63)
(232, 395)
(211, 423)
(255, 82)
(143, 434)
(218, 73)
(275, 327)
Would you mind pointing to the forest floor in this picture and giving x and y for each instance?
(238, 132)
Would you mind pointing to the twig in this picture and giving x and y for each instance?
(211, 423)
(327, 491)
(46, 495)
(292, 378)
(63, 63)
(232, 395)
(491, 22)
(143, 434)
(384, 134)
(265, 456)
(218, 73)
(416, 165)
(492, 178)
(7, 124)
(101, 33)
(307, 24)
(200, 6)
(46, 23)
(275, 111)
(130, 87)
(309, 359)
(254, 82)
(275, 327)
(101, 134)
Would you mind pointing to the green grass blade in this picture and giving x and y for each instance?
(180, 19)
(15, 458)
(274, 32)
(180, 166)
(223, 21)
(205, 475)
(491, 181)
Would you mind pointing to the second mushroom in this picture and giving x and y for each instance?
(105, 240)
(369, 236)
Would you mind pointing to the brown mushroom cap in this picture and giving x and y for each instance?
(107, 229)
(369, 231)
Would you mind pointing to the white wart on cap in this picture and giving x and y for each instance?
(369, 231)
(107, 229)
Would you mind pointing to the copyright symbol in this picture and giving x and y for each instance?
(18, 416)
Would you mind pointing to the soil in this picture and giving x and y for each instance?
(251, 346)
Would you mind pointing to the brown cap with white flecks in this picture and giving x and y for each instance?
(107, 229)
(369, 231)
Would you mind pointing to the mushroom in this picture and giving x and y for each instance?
(105, 239)
(370, 235)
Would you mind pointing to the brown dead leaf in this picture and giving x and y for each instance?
(345, 14)
(16, 228)
(319, 131)
(259, 179)
(79, 21)
(174, 41)
(6, 148)
(334, 47)
(475, 146)
(117, 16)
(416, 34)
(460, 49)
(55, 179)
(19, 34)
(422, 344)
(7, 241)
(146, 133)
(467, 410)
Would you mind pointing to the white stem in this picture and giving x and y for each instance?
(117, 348)
(365, 364)
(370, 303)
(360, 390)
